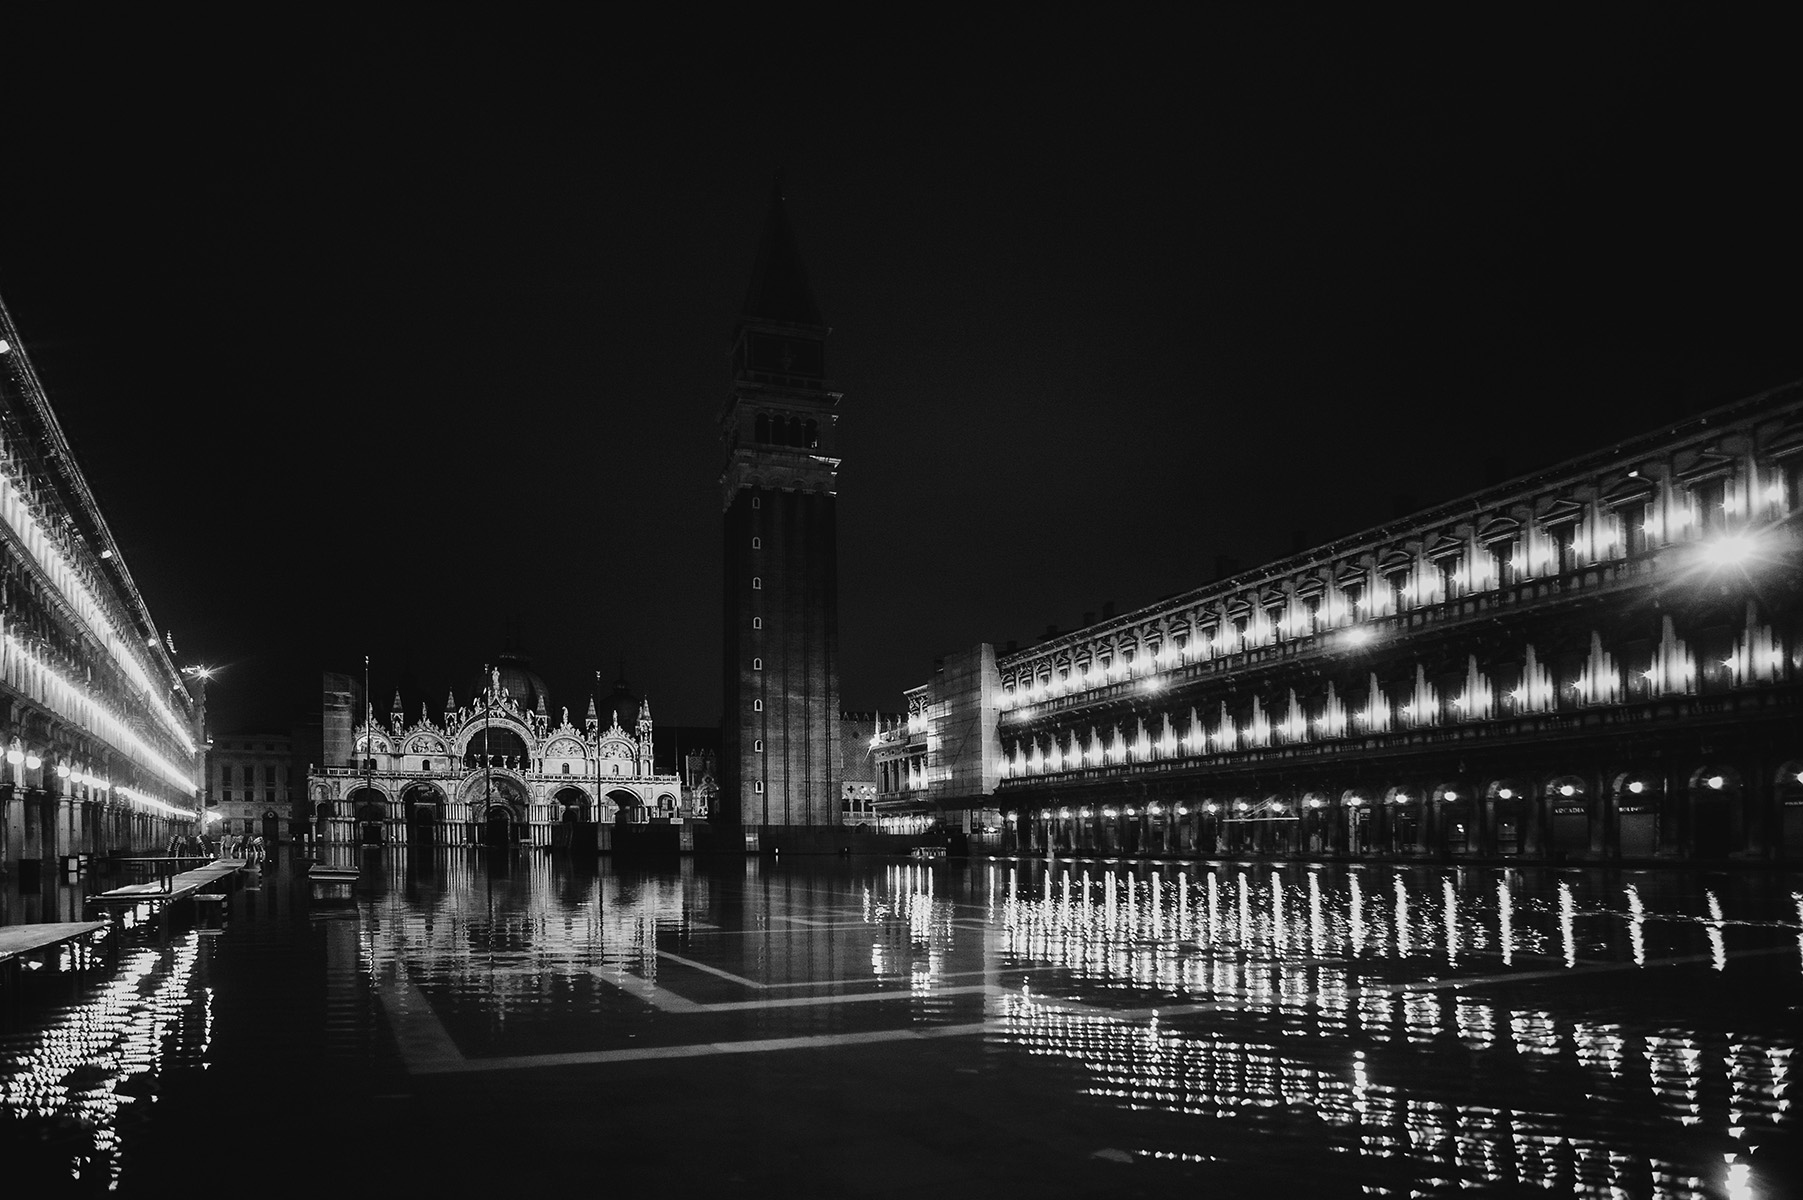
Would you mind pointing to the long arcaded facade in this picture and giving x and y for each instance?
(100, 733)
(1596, 661)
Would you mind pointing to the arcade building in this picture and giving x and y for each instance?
(1600, 661)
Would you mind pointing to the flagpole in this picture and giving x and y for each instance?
(369, 737)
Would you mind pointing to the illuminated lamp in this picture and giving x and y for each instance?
(1210, 806)
(1728, 551)
(14, 755)
(5, 346)
(1505, 793)
(1131, 811)
(1800, 776)
(33, 762)
(1355, 801)
(1183, 810)
(1154, 809)
(1716, 782)
(62, 770)
(1637, 787)
(1451, 795)
(1566, 789)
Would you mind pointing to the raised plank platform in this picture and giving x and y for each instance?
(173, 887)
(17, 940)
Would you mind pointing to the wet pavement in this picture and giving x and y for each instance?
(880, 1027)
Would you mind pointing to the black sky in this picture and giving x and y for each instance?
(375, 338)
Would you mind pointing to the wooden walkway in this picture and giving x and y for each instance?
(19, 940)
(171, 887)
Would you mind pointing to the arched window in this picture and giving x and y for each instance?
(757, 543)
(757, 622)
(757, 502)
(757, 747)
(758, 786)
(757, 706)
(757, 664)
(757, 584)
(566, 768)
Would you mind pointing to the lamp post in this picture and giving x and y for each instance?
(197, 688)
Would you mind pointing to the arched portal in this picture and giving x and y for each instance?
(1718, 826)
(498, 827)
(629, 809)
(1569, 823)
(574, 826)
(423, 807)
(369, 810)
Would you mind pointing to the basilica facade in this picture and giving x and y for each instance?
(494, 771)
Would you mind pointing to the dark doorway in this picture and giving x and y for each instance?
(497, 828)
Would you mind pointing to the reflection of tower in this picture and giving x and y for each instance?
(781, 606)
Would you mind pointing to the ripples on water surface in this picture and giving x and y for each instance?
(1405, 1030)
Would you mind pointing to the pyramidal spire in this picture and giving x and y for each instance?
(450, 701)
(779, 284)
(397, 701)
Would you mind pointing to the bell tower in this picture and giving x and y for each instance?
(780, 741)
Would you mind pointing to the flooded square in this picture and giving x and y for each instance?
(855, 1026)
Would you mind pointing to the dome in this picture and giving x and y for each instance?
(522, 683)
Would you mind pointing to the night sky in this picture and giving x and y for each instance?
(387, 339)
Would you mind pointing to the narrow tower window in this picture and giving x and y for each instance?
(757, 584)
(757, 622)
(757, 664)
(757, 543)
(757, 746)
(757, 706)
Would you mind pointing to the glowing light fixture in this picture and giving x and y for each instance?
(1716, 782)
(1566, 789)
(1728, 551)
(33, 762)
(5, 346)
(1505, 793)
(62, 770)
(1452, 795)
(1637, 787)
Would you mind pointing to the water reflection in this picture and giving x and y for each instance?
(1431, 1028)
